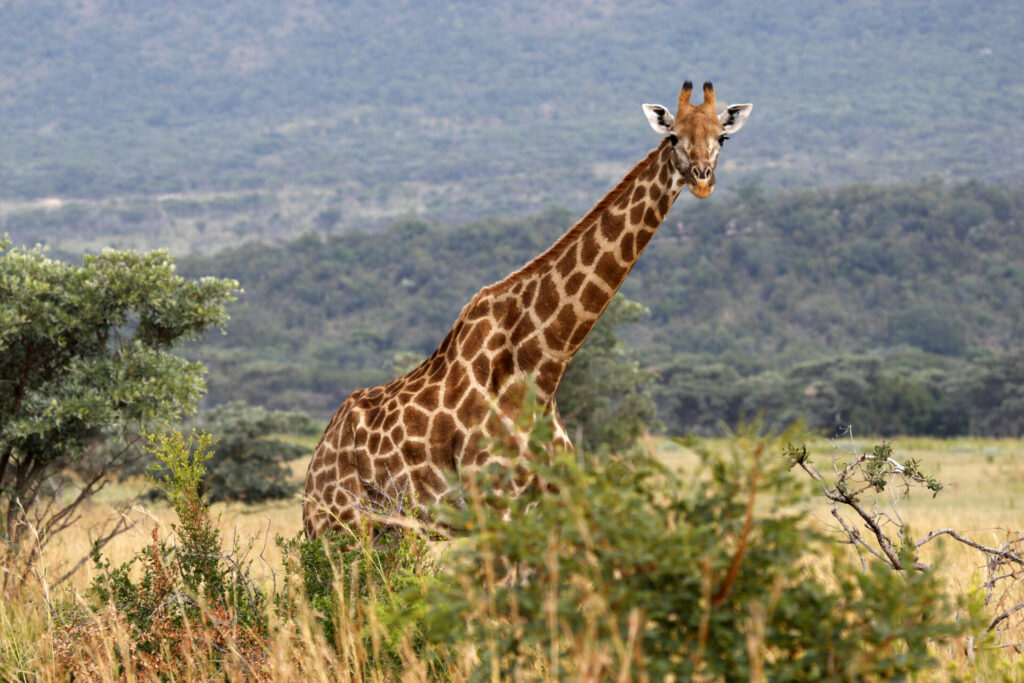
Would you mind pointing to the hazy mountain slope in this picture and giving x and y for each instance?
(461, 109)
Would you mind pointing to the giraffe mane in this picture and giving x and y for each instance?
(559, 247)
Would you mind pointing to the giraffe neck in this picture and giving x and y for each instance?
(542, 313)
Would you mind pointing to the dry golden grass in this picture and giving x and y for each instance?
(238, 523)
(984, 480)
(983, 499)
(984, 477)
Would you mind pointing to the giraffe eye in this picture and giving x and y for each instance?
(722, 139)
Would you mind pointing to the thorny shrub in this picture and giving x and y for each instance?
(173, 606)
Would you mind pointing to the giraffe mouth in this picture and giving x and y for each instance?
(701, 188)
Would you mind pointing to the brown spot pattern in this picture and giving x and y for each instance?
(414, 452)
(402, 436)
(651, 219)
(593, 298)
(636, 214)
(415, 421)
(612, 225)
(429, 398)
(609, 270)
(572, 285)
(589, 249)
(523, 330)
(547, 299)
(626, 247)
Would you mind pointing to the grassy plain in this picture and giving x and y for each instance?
(982, 498)
(984, 480)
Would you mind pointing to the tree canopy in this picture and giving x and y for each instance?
(85, 354)
(825, 305)
(248, 460)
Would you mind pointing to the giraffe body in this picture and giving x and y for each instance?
(398, 440)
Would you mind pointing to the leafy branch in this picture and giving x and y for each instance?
(883, 533)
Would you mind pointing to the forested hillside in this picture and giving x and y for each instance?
(926, 278)
(354, 136)
(193, 124)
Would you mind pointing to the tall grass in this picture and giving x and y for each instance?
(365, 617)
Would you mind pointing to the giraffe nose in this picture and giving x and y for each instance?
(703, 183)
(702, 172)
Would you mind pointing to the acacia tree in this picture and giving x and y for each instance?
(85, 360)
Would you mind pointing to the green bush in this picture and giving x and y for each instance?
(623, 566)
(370, 581)
(248, 462)
(932, 328)
(606, 567)
(179, 599)
(86, 358)
(993, 391)
(909, 392)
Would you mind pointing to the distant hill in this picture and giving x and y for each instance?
(756, 282)
(326, 115)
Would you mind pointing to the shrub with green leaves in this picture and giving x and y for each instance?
(367, 585)
(624, 566)
(86, 355)
(249, 459)
(192, 596)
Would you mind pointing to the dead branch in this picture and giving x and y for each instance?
(122, 525)
(1006, 554)
(866, 474)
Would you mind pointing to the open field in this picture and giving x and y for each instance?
(984, 479)
(984, 494)
(982, 499)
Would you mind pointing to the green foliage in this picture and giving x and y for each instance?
(806, 305)
(85, 353)
(179, 476)
(993, 394)
(167, 594)
(696, 395)
(935, 329)
(604, 396)
(248, 463)
(906, 392)
(703, 576)
(244, 97)
(375, 579)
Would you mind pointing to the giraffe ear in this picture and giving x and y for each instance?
(734, 116)
(659, 118)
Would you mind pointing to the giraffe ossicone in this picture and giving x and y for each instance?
(399, 439)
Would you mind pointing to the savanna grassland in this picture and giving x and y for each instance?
(336, 180)
(981, 499)
(984, 495)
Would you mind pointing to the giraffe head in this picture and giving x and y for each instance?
(697, 134)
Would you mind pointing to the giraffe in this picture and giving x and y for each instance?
(398, 439)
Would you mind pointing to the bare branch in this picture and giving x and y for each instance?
(122, 525)
(963, 539)
(856, 539)
(1004, 616)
